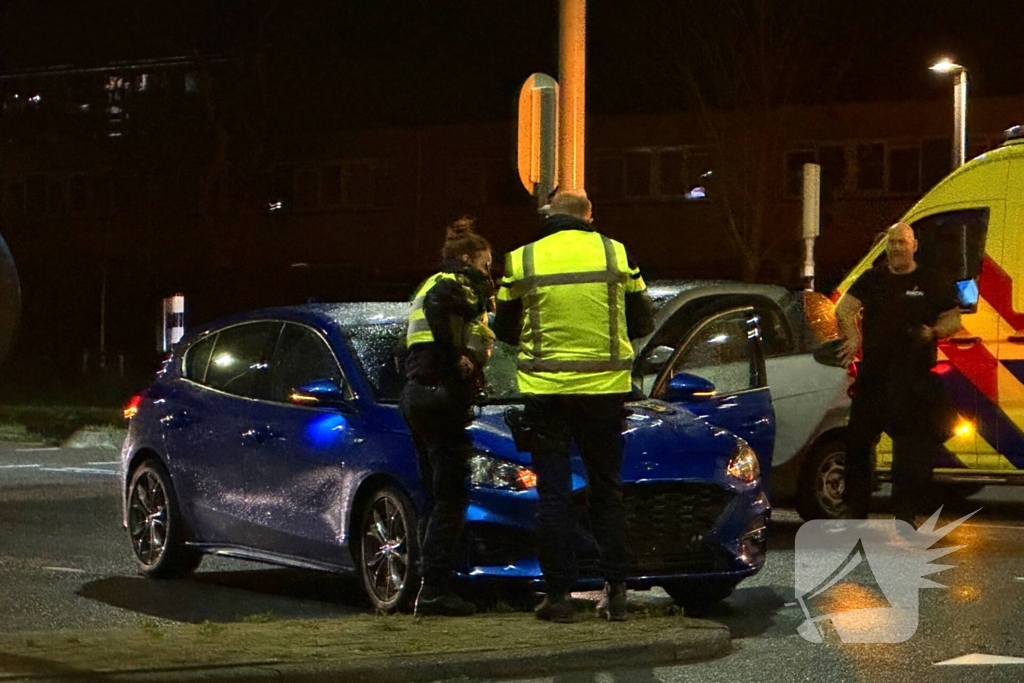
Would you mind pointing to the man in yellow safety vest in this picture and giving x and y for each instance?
(572, 301)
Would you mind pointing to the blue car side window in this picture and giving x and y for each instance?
(240, 358)
(720, 353)
(302, 357)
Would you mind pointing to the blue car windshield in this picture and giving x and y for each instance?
(380, 350)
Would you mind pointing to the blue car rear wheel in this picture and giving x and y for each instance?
(155, 527)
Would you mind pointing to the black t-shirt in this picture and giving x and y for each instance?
(894, 307)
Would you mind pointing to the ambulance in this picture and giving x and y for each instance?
(971, 226)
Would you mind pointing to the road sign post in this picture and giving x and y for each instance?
(538, 135)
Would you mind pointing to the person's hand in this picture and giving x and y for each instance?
(848, 350)
(465, 367)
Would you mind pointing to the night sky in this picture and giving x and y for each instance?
(448, 60)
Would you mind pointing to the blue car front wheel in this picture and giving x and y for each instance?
(389, 551)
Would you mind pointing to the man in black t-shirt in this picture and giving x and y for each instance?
(907, 308)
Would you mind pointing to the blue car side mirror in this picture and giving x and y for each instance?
(324, 393)
(685, 387)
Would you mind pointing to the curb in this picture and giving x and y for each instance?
(700, 644)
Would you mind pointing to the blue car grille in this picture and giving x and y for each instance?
(668, 524)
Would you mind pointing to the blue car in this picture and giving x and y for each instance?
(275, 436)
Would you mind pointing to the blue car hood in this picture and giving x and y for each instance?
(662, 442)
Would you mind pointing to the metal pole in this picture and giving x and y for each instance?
(572, 61)
(812, 219)
(960, 118)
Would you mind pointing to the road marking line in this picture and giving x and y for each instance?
(36, 450)
(70, 570)
(978, 659)
(78, 470)
(19, 467)
(105, 462)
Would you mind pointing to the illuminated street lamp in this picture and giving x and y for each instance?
(946, 66)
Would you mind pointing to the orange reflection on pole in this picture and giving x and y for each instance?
(572, 69)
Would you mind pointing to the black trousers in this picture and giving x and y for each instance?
(595, 423)
(881, 406)
(437, 419)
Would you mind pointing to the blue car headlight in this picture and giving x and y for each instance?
(743, 465)
(490, 472)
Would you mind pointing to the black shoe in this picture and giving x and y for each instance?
(613, 605)
(441, 602)
(557, 607)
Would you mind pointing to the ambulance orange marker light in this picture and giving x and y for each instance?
(964, 428)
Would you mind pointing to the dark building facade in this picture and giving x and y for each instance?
(122, 184)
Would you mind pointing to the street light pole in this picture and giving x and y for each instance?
(572, 69)
(946, 66)
(960, 118)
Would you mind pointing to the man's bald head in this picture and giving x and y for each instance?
(902, 229)
(900, 248)
(571, 203)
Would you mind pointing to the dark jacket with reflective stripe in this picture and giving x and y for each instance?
(546, 299)
(436, 362)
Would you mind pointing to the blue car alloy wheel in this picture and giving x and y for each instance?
(390, 550)
(154, 525)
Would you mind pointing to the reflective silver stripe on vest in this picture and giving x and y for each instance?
(584, 278)
(613, 300)
(418, 325)
(539, 365)
(530, 298)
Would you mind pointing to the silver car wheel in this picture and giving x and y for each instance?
(830, 483)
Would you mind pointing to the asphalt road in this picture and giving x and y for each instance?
(977, 615)
(65, 563)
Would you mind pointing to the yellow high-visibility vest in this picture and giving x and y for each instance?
(572, 284)
(473, 336)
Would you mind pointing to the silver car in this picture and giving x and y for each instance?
(791, 407)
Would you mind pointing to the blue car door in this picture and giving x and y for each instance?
(208, 413)
(298, 454)
(724, 349)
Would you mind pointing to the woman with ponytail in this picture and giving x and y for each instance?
(449, 343)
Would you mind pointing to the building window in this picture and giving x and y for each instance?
(638, 174)
(871, 167)
(936, 161)
(672, 173)
(904, 170)
(699, 167)
(385, 187)
(795, 161)
(832, 159)
(608, 175)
